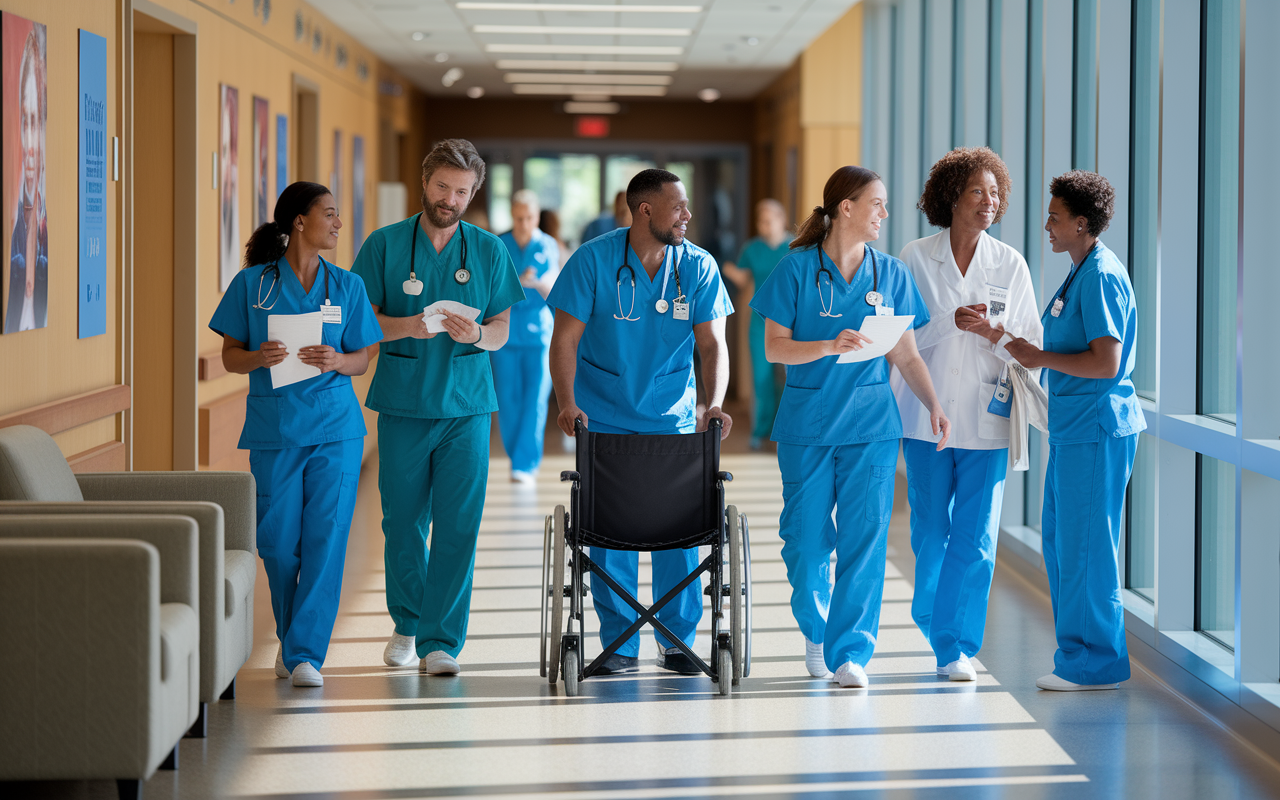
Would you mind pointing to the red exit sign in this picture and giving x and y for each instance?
(591, 127)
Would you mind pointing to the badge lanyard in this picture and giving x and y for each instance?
(1060, 301)
(661, 305)
(413, 286)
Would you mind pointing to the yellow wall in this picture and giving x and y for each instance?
(831, 104)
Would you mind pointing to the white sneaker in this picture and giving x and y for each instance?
(401, 651)
(438, 662)
(959, 670)
(306, 675)
(526, 478)
(813, 660)
(281, 670)
(851, 676)
(1052, 683)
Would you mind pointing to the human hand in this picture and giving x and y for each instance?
(847, 341)
(1026, 353)
(715, 412)
(529, 278)
(940, 424)
(461, 329)
(567, 416)
(418, 328)
(322, 357)
(271, 353)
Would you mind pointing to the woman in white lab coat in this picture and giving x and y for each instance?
(976, 288)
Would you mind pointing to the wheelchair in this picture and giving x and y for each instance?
(646, 493)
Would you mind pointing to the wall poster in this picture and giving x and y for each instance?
(282, 153)
(357, 195)
(25, 110)
(93, 182)
(262, 207)
(229, 184)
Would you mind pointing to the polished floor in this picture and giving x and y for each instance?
(500, 731)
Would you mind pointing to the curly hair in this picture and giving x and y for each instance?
(951, 174)
(1088, 195)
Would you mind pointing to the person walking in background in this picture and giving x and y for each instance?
(549, 223)
(620, 218)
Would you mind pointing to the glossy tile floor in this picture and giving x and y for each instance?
(500, 731)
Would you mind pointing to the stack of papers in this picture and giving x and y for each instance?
(294, 331)
(884, 333)
(434, 313)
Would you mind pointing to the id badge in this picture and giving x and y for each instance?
(997, 303)
(330, 313)
(1056, 310)
(680, 310)
(1002, 400)
(884, 311)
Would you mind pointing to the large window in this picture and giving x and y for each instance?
(499, 188)
(569, 185)
(1140, 527)
(1216, 549)
(1144, 180)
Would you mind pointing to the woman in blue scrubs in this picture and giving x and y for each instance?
(1090, 331)
(305, 439)
(838, 426)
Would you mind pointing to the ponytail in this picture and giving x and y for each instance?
(846, 183)
(270, 241)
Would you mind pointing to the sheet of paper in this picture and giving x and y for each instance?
(295, 331)
(434, 317)
(884, 333)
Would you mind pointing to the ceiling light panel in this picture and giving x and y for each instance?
(587, 7)
(584, 49)
(551, 77)
(626, 66)
(568, 89)
(575, 30)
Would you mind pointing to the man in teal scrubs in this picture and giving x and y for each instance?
(433, 391)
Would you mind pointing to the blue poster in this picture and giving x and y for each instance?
(93, 184)
(282, 153)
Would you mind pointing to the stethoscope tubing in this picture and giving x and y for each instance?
(829, 307)
(626, 264)
(275, 281)
(413, 250)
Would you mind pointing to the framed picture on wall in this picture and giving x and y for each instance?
(93, 183)
(357, 194)
(282, 153)
(24, 111)
(261, 169)
(229, 185)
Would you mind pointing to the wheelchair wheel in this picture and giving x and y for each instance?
(737, 619)
(555, 594)
(724, 669)
(572, 663)
(543, 618)
(744, 656)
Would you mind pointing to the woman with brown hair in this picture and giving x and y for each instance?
(838, 427)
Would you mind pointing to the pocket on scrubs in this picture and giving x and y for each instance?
(676, 331)
(880, 494)
(342, 416)
(396, 382)
(990, 426)
(473, 377)
(799, 415)
(876, 413)
(669, 393)
(262, 420)
(595, 387)
(1073, 419)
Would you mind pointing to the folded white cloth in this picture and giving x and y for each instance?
(1030, 407)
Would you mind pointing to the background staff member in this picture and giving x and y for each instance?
(620, 218)
(755, 263)
(522, 376)
(976, 288)
(434, 393)
(838, 427)
(1090, 333)
(305, 440)
(629, 307)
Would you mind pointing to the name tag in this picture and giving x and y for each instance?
(330, 313)
(883, 311)
(680, 310)
(997, 303)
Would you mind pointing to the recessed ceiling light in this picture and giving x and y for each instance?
(552, 77)
(593, 7)
(751, 41)
(591, 107)
(625, 66)
(441, 58)
(709, 95)
(575, 30)
(452, 76)
(553, 88)
(475, 92)
(585, 49)
(418, 36)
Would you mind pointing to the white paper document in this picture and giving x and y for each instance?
(884, 333)
(434, 313)
(295, 331)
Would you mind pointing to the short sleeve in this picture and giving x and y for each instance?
(231, 318)
(907, 299)
(777, 298)
(552, 249)
(504, 284)
(370, 265)
(361, 327)
(710, 300)
(574, 291)
(1102, 305)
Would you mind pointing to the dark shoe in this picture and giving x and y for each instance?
(616, 664)
(676, 661)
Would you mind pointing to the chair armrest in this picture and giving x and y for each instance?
(236, 492)
(174, 538)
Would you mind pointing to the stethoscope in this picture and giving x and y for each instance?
(1060, 301)
(874, 298)
(275, 281)
(661, 306)
(413, 286)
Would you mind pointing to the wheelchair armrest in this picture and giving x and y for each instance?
(569, 475)
(727, 477)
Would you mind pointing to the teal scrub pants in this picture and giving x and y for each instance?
(432, 475)
(856, 481)
(522, 380)
(764, 381)
(1080, 534)
(306, 496)
(670, 567)
(955, 498)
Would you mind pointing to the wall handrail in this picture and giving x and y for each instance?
(57, 416)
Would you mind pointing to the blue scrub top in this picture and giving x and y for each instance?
(599, 227)
(758, 258)
(435, 378)
(320, 409)
(824, 402)
(531, 318)
(637, 375)
(1099, 302)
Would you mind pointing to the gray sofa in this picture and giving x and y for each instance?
(36, 479)
(100, 669)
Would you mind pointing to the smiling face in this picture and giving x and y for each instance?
(863, 214)
(320, 225)
(29, 122)
(1066, 232)
(978, 203)
(668, 213)
(446, 193)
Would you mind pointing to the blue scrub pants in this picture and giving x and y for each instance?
(306, 496)
(856, 480)
(955, 498)
(1080, 535)
(670, 567)
(432, 475)
(764, 381)
(522, 379)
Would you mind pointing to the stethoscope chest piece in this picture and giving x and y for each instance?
(662, 306)
(462, 275)
(413, 286)
(874, 298)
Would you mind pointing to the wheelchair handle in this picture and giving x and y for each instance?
(569, 475)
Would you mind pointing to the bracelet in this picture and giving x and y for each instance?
(480, 337)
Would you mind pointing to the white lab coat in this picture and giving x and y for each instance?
(964, 366)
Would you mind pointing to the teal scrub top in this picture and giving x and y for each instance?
(531, 318)
(636, 374)
(1098, 302)
(758, 258)
(435, 378)
(824, 402)
(320, 409)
